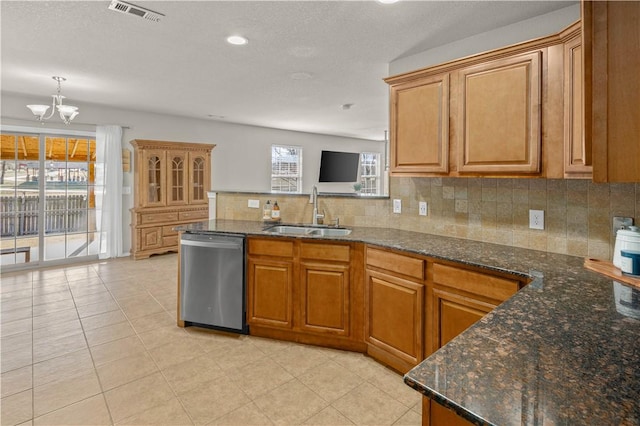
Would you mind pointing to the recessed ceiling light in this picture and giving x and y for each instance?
(387, 1)
(237, 40)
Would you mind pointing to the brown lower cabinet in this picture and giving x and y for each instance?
(397, 307)
(325, 289)
(306, 291)
(458, 298)
(461, 296)
(270, 283)
(394, 308)
(434, 414)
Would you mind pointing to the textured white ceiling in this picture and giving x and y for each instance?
(183, 66)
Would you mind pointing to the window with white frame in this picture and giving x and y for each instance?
(369, 173)
(286, 168)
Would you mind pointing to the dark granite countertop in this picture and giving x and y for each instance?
(565, 350)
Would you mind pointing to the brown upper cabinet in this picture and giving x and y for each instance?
(566, 105)
(421, 126)
(480, 116)
(498, 124)
(577, 154)
(611, 48)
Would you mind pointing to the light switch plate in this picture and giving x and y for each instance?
(422, 208)
(397, 206)
(254, 204)
(536, 219)
(126, 190)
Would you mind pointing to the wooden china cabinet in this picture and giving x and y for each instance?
(171, 181)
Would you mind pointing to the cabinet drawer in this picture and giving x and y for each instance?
(170, 241)
(194, 214)
(271, 247)
(168, 231)
(158, 217)
(497, 288)
(336, 252)
(397, 263)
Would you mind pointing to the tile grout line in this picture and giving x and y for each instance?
(93, 363)
(87, 347)
(147, 352)
(33, 382)
(271, 355)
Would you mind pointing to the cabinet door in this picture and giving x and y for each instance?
(611, 48)
(420, 126)
(324, 298)
(199, 178)
(153, 178)
(394, 310)
(150, 238)
(270, 285)
(177, 177)
(434, 414)
(498, 124)
(577, 155)
(453, 314)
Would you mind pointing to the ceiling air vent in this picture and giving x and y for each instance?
(132, 9)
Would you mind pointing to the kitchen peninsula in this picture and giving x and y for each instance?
(563, 350)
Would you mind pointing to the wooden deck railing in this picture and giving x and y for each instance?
(19, 216)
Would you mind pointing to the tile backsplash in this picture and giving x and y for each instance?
(578, 213)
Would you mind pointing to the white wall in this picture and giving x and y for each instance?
(526, 30)
(241, 158)
(240, 162)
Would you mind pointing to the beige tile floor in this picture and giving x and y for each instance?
(97, 344)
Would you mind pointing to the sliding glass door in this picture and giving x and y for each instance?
(19, 198)
(47, 198)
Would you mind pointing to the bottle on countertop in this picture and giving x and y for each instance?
(275, 211)
(266, 211)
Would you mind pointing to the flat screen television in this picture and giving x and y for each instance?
(339, 166)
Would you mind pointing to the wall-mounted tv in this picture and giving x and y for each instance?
(339, 166)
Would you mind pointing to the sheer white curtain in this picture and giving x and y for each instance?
(109, 190)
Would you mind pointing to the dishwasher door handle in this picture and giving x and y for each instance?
(211, 244)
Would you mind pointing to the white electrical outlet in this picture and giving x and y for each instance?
(397, 206)
(620, 222)
(536, 219)
(254, 204)
(422, 208)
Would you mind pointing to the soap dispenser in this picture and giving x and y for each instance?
(275, 211)
(266, 211)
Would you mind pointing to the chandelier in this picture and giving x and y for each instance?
(67, 112)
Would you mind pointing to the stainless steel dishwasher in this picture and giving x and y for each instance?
(212, 281)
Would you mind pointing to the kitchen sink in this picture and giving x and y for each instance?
(308, 230)
(331, 232)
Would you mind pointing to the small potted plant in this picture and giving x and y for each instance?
(357, 187)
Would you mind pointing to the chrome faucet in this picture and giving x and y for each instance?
(314, 199)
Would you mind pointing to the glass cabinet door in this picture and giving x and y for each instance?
(199, 178)
(176, 184)
(153, 179)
